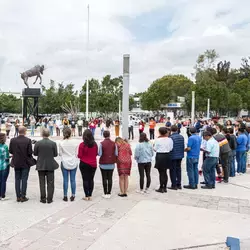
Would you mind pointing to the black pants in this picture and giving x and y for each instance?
(152, 134)
(163, 177)
(131, 132)
(88, 174)
(7, 133)
(57, 131)
(49, 177)
(224, 162)
(79, 130)
(144, 167)
(175, 173)
(21, 179)
(107, 180)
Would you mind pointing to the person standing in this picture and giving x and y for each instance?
(32, 125)
(108, 153)
(79, 127)
(225, 151)
(58, 127)
(233, 145)
(69, 163)
(21, 149)
(4, 165)
(177, 156)
(152, 125)
(73, 127)
(193, 154)
(17, 125)
(87, 153)
(163, 161)
(8, 127)
(46, 151)
(242, 143)
(92, 127)
(212, 151)
(117, 128)
(143, 155)
(124, 164)
(65, 122)
(141, 127)
(102, 127)
(51, 126)
(131, 125)
(168, 123)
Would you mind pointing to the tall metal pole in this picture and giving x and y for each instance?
(87, 61)
(193, 107)
(119, 115)
(125, 96)
(208, 108)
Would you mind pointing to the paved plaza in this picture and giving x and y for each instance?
(183, 219)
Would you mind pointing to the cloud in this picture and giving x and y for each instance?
(161, 36)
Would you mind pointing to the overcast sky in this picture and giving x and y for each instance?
(162, 36)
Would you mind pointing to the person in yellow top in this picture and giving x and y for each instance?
(65, 122)
(152, 125)
(117, 128)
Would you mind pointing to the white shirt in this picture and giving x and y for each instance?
(131, 123)
(163, 145)
(68, 153)
(80, 123)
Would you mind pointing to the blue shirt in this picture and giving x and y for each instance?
(194, 142)
(107, 166)
(144, 152)
(213, 148)
(242, 143)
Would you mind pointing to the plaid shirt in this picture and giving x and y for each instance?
(4, 156)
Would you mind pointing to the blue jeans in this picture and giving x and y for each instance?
(240, 157)
(209, 167)
(93, 131)
(3, 179)
(66, 173)
(21, 179)
(32, 130)
(231, 163)
(192, 171)
(51, 128)
(102, 130)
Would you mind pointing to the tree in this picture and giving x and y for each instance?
(165, 90)
(10, 104)
(206, 60)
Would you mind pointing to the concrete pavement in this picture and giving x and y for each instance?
(201, 219)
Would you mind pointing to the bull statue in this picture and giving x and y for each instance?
(35, 71)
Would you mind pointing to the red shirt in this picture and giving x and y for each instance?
(88, 155)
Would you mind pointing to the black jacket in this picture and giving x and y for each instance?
(46, 150)
(21, 149)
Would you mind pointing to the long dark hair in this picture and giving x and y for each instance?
(88, 138)
(143, 138)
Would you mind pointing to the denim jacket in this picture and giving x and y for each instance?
(144, 152)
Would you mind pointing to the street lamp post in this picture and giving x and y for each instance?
(87, 83)
(125, 96)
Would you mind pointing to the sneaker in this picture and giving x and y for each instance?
(108, 196)
(65, 198)
(140, 191)
(146, 191)
(72, 198)
(104, 196)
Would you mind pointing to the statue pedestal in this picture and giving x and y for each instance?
(30, 102)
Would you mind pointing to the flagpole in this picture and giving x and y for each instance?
(87, 68)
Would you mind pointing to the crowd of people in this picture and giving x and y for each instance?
(220, 147)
